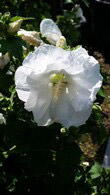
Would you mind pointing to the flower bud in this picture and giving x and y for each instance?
(31, 37)
(61, 42)
(4, 60)
(15, 26)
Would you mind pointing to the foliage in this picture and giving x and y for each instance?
(45, 160)
(69, 19)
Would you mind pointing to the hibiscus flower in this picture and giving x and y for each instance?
(58, 85)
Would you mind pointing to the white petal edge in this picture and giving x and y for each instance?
(22, 86)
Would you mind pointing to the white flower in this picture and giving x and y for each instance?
(4, 60)
(31, 37)
(58, 85)
(2, 119)
(50, 30)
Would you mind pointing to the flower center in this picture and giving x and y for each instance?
(59, 84)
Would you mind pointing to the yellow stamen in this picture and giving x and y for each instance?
(59, 83)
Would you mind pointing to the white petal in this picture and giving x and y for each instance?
(22, 86)
(78, 58)
(50, 30)
(49, 58)
(85, 85)
(79, 51)
(40, 58)
(45, 120)
(40, 97)
(79, 97)
(64, 113)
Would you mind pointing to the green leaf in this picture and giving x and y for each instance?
(5, 82)
(102, 93)
(97, 107)
(86, 2)
(68, 157)
(13, 19)
(96, 170)
(13, 45)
